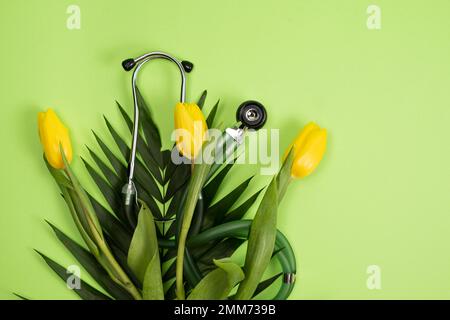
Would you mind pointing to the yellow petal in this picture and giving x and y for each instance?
(190, 122)
(53, 133)
(310, 154)
(300, 139)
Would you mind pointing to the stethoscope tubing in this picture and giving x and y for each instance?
(241, 229)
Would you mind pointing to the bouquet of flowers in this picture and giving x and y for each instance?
(177, 243)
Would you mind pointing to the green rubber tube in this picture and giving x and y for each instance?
(240, 229)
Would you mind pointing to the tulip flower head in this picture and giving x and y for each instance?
(309, 148)
(54, 136)
(190, 128)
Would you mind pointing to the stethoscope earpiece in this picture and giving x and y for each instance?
(128, 64)
(251, 114)
(187, 66)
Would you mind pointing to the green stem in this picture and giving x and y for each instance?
(123, 279)
(112, 266)
(198, 177)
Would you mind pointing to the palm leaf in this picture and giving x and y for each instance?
(216, 213)
(212, 115)
(202, 99)
(86, 291)
(88, 262)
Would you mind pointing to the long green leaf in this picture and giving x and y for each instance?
(205, 255)
(284, 175)
(178, 180)
(119, 182)
(21, 297)
(88, 261)
(211, 188)
(150, 153)
(202, 99)
(121, 258)
(115, 182)
(120, 235)
(125, 150)
(261, 242)
(223, 249)
(212, 115)
(144, 245)
(111, 196)
(153, 287)
(150, 129)
(263, 285)
(117, 164)
(86, 291)
(69, 197)
(216, 213)
(239, 212)
(217, 284)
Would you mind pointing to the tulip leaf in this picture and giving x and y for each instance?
(217, 284)
(88, 261)
(85, 291)
(261, 242)
(81, 200)
(62, 181)
(144, 244)
(121, 258)
(153, 287)
(284, 175)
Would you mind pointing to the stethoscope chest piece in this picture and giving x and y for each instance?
(251, 114)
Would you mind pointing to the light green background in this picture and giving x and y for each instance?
(381, 195)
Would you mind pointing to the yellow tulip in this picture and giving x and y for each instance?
(191, 126)
(53, 133)
(309, 147)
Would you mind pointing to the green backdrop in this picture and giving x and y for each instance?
(381, 195)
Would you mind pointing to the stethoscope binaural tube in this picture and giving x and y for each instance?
(129, 191)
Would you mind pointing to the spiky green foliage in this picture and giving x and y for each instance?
(161, 184)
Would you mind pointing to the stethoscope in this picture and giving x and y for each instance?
(250, 115)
